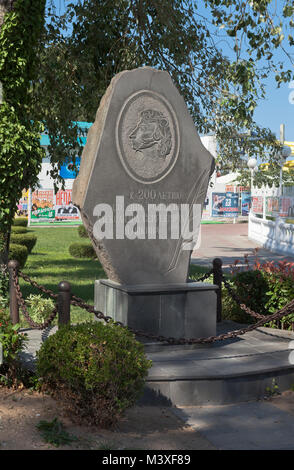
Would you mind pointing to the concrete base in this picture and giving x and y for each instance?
(177, 310)
(245, 368)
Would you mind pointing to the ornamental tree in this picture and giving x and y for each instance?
(218, 52)
(21, 23)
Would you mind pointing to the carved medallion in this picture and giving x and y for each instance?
(147, 137)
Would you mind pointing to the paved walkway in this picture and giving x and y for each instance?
(230, 242)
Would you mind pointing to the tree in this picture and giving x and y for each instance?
(95, 39)
(21, 22)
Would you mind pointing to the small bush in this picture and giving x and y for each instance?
(25, 239)
(18, 229)
(82, 232)
(39, 307)
(13, 342)
(96, 370)
(266, 288)
(82, 250)
(20, 221)
(18, 253)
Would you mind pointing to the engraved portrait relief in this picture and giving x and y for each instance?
(147, 137)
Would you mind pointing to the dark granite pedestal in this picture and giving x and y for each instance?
(185, 310)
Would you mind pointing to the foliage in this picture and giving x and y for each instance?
(13, 342)
(4, 286)
(18, 229)
(18, 253)
(20, 150)
(82, 232)
(280, 292)
(39, 307)
(82, 250)
(251, 288)
(25, 239)
(219, 54)
(19, 222)
(266, 288)
(98, 370)
(54, 433)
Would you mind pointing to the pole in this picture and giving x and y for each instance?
(63, 303)
(217, 280)
(282, 140)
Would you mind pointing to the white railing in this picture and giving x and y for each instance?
(276, 236)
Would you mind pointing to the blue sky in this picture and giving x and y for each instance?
(276, 109)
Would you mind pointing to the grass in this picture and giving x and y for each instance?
(50, 263)
(54, 433)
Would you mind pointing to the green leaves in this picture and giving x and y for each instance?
(54, 433)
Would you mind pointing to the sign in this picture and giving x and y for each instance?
(245, 203)
(257, 204)
(271, 206)
(42, 205)
(239, 189)
(22, 206)
(64, 208)
(66, 170)
(225, 204)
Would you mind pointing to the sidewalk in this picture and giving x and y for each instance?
(230, 243)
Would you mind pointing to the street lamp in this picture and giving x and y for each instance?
(252, 165)
(285, 153)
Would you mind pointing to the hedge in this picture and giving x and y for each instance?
(82, 232)
(26, 239)
(18, 229)
(18, 253)
(82, 250)
(20, 221)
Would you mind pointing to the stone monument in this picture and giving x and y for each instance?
(142, 183)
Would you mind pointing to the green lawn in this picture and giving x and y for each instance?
(50, 263)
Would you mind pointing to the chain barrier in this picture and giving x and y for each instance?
(22, 305)
(77, 301)
(246, 309)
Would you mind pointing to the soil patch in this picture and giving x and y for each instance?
(141, 428)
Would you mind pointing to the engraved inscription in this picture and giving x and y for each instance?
(147, 137)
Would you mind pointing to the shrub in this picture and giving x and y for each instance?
(22, 221)
(82, 232)
(266, 288)
(13, 342)
(18, 253)
(25, 239)
(82, 250)
(280, 292)
(18, 229)
(4, 286)
(39, 307)
(96, 370)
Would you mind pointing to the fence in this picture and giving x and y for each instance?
(277, 236)
(65, 298)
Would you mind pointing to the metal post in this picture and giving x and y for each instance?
(217, 279)
(63, 303)
(13, 266)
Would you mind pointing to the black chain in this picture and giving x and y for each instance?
(77, 301)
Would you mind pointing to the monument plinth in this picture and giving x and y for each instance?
(142, 183)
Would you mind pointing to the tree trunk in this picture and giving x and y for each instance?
(5, 6)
